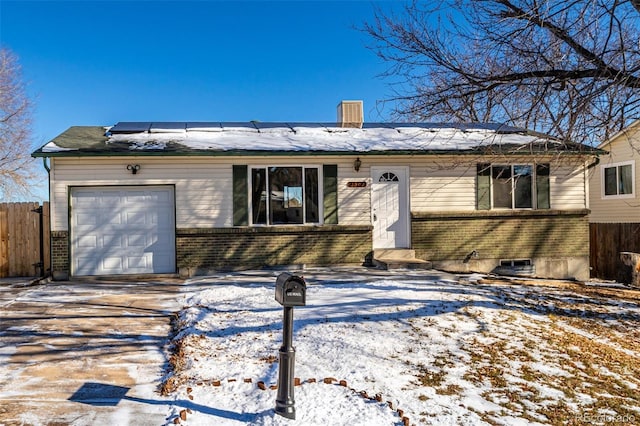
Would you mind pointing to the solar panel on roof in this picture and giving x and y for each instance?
(428, 125)
(311, 125)
(503, 128)
(496, 127)
(270, 125)
(168, 126)
(131, 127)
(203, 126)
(378, 125)
(239, 124)
(125, 127)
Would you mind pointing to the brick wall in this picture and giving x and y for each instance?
(443, 238)
(547, 237)
(60, 254)
(199, 249)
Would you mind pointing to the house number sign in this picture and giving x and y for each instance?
(356, 184)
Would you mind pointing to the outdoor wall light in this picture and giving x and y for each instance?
(356, 164)
(133, 168)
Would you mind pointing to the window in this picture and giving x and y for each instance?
(617, 180)
(520, 186)
(284, 195)
(388, 177)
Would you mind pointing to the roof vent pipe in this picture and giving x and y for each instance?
(350, 114)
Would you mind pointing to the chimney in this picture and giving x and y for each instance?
(350, 114)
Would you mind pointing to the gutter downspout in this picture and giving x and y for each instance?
(586, 182)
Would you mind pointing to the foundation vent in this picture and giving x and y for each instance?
(516, 267)
(350, 114)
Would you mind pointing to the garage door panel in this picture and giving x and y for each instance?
(108, 199)
(88, 198)
(112, 242)
(82, 264)
(112, 265)
(138, 218)
(112, 219)
(135, 241)
(133, 195)
(139, 262)
(126, 230)
(88, 241)
(86, 219)
(161, 197)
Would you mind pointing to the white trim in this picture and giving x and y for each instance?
(404, 207)
(631, 163)
(167, 261)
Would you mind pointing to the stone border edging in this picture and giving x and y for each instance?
(297, 382)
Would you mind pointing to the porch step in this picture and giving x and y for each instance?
(398, 259)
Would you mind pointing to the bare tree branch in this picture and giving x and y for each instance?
(568, 68)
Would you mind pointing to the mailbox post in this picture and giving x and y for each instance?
(291, 290)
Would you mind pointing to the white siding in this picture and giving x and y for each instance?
(568, 186)
(202, 187)
(354, 204)
(443, 186)
(451, 185)
(624, 147)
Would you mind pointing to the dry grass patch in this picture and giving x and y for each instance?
(431, 378)
(450, 389)
(553, 368)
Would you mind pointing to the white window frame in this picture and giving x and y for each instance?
(603, 167)
(319, 167)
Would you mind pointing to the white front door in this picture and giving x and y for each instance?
(390, 207)
(122, 230)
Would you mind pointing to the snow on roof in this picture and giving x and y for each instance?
(319, 138)
(209, 138)
(52, 147)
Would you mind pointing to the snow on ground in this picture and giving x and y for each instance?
(410, 347)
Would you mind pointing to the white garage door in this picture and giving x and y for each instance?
(122, 230)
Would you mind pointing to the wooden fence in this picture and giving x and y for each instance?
(606, 241)
(23, 246)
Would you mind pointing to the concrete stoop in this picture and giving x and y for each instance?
(398, 259)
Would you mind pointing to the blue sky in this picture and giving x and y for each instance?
(100, 62)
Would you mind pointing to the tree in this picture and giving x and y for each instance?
(17, 168)
(567, 68)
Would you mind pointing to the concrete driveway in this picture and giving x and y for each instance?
(87, 352)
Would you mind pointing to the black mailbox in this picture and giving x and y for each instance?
(291, 290)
